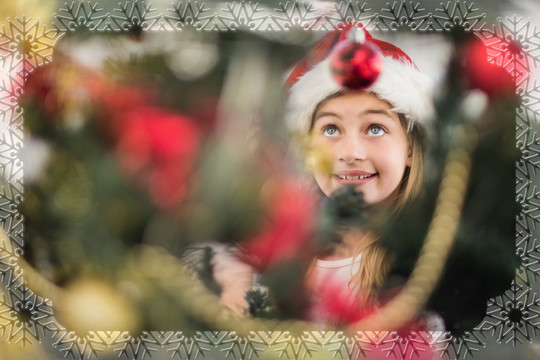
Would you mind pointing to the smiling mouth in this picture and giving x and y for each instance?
(355, 177)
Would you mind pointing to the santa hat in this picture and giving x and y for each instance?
(400, 83)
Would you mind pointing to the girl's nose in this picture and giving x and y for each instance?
(351, 149)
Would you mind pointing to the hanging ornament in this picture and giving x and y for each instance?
(354, 62)
(480, 74)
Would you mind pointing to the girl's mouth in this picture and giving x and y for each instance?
(354, 179)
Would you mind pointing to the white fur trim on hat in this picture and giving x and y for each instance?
(406, 89)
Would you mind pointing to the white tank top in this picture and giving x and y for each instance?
(331, 284)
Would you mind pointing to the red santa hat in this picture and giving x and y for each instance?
(400, 83)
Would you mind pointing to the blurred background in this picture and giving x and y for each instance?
(213, 98)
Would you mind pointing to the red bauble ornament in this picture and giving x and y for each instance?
(355, 64)
(493, 80)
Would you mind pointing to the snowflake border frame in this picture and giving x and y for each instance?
(132, 15)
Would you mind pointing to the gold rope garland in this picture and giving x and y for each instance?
(149, 263)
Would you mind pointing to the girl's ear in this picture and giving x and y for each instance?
(409, 156)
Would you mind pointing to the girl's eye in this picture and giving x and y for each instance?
(330, 131)
(376, 130)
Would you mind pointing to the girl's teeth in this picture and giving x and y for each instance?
(346, 177)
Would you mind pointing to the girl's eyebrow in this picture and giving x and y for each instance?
(363, 113)
(376, 111)
(325, 113)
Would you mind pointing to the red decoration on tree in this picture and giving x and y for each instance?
(494, 80)
(159, 148)
(355, 63)
(288, 231)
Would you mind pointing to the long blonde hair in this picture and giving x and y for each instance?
(375, 262)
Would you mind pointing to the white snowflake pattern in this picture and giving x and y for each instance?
(187, 347)
(29, 44)
(514, 44)
(10, 217)
(530, 258)
(403, 15)
(406, 346)
(349, 347)
(134, 17)
(10, 273)
(531, 98)
(78, 15)
(187, 13)
(458, 13)
(241, 347)
(513, 317)
(134, 347)
(530, 208)
(76, 347)
(10, 112)
(24, 317)
(458, 347)
(347, 11)
(525, 242)
(242, 15)
(527, 168)
(26, 44)
(527, 126)
(11, 143)
(291, 346)
(294, 14)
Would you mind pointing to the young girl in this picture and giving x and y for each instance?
(373, 140)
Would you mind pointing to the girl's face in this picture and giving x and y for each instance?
(367, 144)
